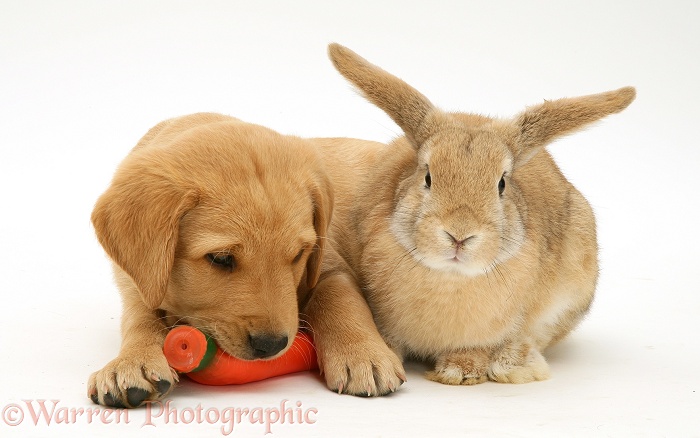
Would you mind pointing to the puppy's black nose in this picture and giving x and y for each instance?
(267, 345)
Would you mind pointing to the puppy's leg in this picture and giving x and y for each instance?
(140, 372)
(462, 367)
(518, 362)
(352, 354)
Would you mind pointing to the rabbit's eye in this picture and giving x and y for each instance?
(502, 185)
(427, 179)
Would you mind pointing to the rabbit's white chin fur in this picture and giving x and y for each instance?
(459, 262)
(455, 265)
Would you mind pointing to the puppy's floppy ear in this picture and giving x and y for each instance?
(137, 221)
(322, 197)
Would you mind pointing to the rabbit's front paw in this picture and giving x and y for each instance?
(518, 365)
(464, 367)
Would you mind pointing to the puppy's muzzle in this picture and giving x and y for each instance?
(266, 345)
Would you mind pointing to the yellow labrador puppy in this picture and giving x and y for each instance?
(222, 224)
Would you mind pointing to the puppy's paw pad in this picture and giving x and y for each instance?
(163, 386)
(136, 396)
(113, 401)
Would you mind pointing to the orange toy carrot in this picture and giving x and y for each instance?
(190, 351)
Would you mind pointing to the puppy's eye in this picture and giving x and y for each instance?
(428, 180)
(502, 184)
(222, 260)
(298, 257)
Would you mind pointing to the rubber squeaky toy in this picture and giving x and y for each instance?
(191, 352)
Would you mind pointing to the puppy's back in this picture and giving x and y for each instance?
(165, 131)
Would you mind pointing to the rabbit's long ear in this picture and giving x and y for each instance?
(404, 104)
(542, 124)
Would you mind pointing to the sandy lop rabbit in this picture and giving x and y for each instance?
(473, 249)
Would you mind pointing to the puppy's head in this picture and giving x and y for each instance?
(223, 227)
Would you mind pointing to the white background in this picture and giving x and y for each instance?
(81, 81)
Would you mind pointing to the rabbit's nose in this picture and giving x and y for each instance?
(457, 241)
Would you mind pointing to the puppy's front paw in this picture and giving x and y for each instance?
(468, 367)
(367, 368)
(130, 380)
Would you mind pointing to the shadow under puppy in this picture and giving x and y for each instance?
(220, 224)
(474, 251)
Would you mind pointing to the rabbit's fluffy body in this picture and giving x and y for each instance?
(472, 248)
